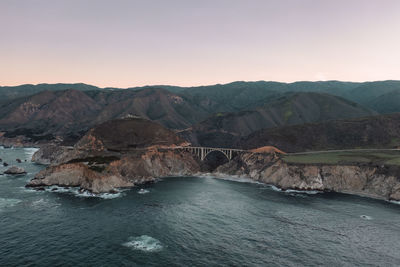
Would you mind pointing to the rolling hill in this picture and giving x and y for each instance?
(287, 109)
(13, 92)
(212, 115)
(69, 114)
(236, 96)
(382, 131)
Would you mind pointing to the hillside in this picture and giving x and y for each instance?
(12, 92)
(366, 92)
(386, 103)
(242, 95)
(69, 114)
(129, 133)
(211, 115)
(49, 112)
(288, 109)
(171, 110)
(381, 131)
(236, 96)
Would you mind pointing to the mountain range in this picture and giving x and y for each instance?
(239, 95)
(205, 115)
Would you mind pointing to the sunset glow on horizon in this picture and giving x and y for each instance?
(123, 43)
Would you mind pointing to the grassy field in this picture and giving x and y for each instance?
(386, 157)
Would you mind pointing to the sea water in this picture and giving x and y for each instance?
(191, 221)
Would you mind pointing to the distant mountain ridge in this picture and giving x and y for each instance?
(70, 113)
(381, 131)
(240, 94)
(12, 92)
(287, 109)
(214, 113)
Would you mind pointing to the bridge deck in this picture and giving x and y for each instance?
(214, 148)
(202, 152)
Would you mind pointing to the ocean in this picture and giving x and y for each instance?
(191, 221)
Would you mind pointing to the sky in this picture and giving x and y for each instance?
(124, 43)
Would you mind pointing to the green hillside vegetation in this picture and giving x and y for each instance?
(237, 96)
(212, 115)
(382, 131)
(386, 103)
(384, 157)
(12, 92)
(285, 109)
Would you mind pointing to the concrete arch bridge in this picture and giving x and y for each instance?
(202, 152)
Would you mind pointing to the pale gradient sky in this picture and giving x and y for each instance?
(126, 43)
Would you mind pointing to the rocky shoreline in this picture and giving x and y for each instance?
(141, 151)
(380, 182)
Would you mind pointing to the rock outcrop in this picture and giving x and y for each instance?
(14, 170)
(116, 154)
(53, 154)
(381, 182)
(125, 152)
(131, 169)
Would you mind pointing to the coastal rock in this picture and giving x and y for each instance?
(373, 181)
(17, 141)
(15, 170)
(78, 174)
(53, 154)
(137, 151)
(126, 172)
(134, 152)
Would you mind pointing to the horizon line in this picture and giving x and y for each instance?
(203, 85)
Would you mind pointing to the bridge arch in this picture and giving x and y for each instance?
(209, 151)
(202, 152)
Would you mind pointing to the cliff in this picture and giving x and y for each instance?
(103, 174)
(115, 154)
(123, 153)
(381, 182)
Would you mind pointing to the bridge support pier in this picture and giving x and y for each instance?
(202, 152)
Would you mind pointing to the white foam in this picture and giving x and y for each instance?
(365, 217)
(143, 191)
(308, 192)
(75, 191)
(273, 187)
(291, 191)
(395, 202)
(29, 152)
(43, 204)
(8, 202)
(144, 243)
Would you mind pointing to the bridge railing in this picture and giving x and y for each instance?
(205, 147)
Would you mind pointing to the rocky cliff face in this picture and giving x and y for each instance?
(381, 182)
(116, 154)
(98, 177)
(123, 153)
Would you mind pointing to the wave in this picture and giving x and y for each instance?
(29, 152)
(143, 191)
(44, 204)
(144, 243)
(293, 191)
(79, 193)
(365, 217)
(8, 203)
